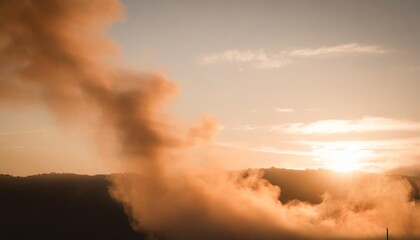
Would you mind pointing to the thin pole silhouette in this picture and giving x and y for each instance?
(386, 233)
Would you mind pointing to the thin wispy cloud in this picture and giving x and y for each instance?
(279, 110)
(276, 150)
(285, 110)
(259, 58)
(263, 59)
(249, 127)
(352, 48)
(366, 124)
(265, 149)
(338, 126)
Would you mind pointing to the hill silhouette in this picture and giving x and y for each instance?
(61, 206)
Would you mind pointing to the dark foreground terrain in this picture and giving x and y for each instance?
(61, 206)
(69, 206)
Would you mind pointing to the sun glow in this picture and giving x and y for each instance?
(341, 156)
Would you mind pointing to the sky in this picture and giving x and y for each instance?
(293, 84)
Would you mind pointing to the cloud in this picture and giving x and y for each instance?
(263, 59)
(259, 58)
(334, 126)
(352, 48)
(249, 127)
(268, 149)
(285, 110)
(337, 126)
(265, 149)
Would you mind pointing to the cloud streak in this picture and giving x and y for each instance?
(285, 110)
(335, 126)
(344, 49)
(266, 60)
(338, 126)
(259, 58)
(265, 149)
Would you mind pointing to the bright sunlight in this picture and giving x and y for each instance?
(341, 156)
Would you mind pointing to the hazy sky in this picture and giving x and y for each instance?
(295, 84)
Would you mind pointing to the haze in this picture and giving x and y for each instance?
(181, 93)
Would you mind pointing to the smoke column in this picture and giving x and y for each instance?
(56, 53)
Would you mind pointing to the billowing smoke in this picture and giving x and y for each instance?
(56, 53)
(245, 206)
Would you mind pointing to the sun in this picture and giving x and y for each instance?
(344, 163)
(341, 156)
